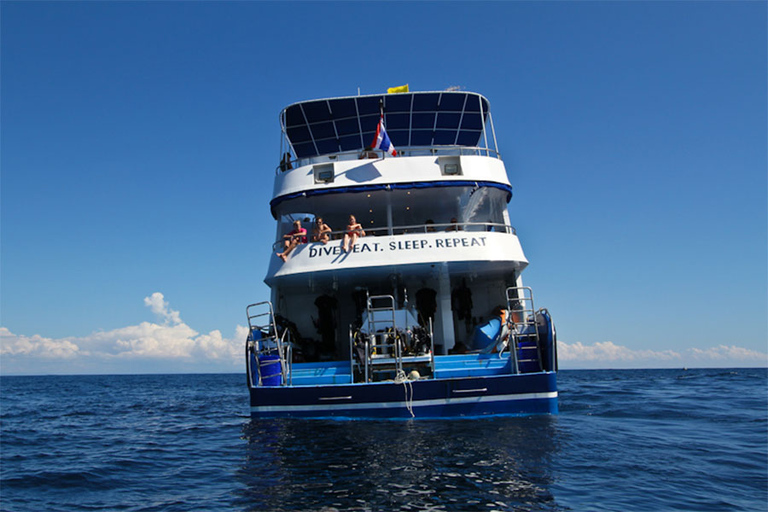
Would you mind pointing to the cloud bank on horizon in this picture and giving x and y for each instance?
(171, 346)
(167, 346)
(607, 354)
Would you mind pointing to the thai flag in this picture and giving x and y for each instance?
(382, 141)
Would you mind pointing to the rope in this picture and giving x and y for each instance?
(400, 378)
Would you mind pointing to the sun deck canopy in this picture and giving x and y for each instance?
(417, 119)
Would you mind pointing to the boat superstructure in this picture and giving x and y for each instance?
(426, 314)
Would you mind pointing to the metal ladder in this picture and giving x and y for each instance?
(523, 331)
(376, 353)
(383, 349)
(264, 342)
(386, 344)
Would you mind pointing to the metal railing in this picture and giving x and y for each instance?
(410, 229)
(263, 344)
(524, 342)
(386, 342)
(357, 154)
(387, 349)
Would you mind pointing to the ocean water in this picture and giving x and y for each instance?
(646, 440)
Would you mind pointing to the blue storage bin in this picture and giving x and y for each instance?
(271, 371)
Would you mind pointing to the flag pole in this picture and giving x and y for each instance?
(381, 119)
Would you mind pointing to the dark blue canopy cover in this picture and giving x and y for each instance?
(321, 127)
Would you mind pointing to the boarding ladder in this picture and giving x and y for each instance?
(385, 347)
(388, 349)
(266, 347)
(524, 335)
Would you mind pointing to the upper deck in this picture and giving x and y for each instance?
(447, 171)
(415, 121)
(444, 140)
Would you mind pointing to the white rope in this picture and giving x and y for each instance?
(400, 378)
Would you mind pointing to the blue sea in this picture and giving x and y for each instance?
(647, 440)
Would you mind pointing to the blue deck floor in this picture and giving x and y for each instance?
(446, 367)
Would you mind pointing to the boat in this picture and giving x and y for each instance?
(396, 287)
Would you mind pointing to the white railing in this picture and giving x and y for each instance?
(287, 165)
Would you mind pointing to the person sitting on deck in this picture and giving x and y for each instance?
(513, 324)
(368, 152)
(430, 226)
(285, 163)
(354, 231)
(454, 226)
(321, 232)
(498, 331)
(293, 238)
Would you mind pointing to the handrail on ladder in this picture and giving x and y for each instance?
(373, 306)
(269, 342)
(520, 305)
(381, 343)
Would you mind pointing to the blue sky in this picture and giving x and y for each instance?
(139, 140)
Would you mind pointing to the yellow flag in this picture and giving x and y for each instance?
(393, 90)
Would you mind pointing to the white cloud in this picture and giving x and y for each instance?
(609, 351)
(171, 345)
(725, 353)
(151, 340)
(11, 344)
(608, 354)
(170, 340)
(214, 346)
(160, 307)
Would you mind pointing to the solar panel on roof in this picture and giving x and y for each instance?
(325, 147)
(304, 150)
(468, 138)
(472, 105)
(445, 137)
(471, 122)
(369, 122)
(294, 117)
(350, 143)
(347, 126)
(343, 108)
(398, 103)
(421, 138)
(448, 120)
(425, 102)
(368, 104)
(452, 101)
(398, 121)
(399, 137)
(423, 120)
(323, 130)
(317, 111)
(299, 133)
(328, 126)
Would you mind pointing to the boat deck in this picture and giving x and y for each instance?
(446, 367)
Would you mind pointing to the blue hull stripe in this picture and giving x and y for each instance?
(400, 405)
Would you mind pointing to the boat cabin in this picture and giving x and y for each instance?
(438, 237)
